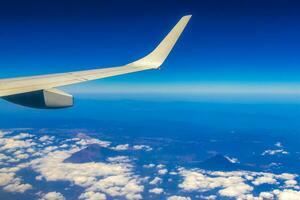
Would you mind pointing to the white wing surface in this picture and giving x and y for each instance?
(15, 86)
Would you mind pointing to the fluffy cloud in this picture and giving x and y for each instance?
(160, 166)
(52, 196)
(162, 171)
(156, 190)
(22, 156)
(178, 198)
(210, 197)
(202, 181)
(291, 183)
(119, 185)
(6, 178)
(236, 190)
(46, 138)
(121, 147)
(116, 159)
(288, 195)
(233, 184)
(86, 141)
(266, 195)
(12, 144)
(22, 136)
(142, 147)
(266, 179)
(90, 195)
(116, 179)
(15, 185)
(155, 181)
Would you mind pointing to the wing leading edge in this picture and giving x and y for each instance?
(154, 60)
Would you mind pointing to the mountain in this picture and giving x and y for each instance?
(92, 153)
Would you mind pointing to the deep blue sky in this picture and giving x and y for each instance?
(236, 47)
(241, 42)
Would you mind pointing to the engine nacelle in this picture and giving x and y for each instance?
(43, 99)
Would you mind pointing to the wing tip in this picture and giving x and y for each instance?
(187, 16)
(156, 58)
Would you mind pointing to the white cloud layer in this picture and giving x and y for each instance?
(121, 147)
(178, 198)
(235, 184)
(156, 190)
(117, 177)
(52, 196)
(113, 178)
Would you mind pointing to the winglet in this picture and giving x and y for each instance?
(156, 58)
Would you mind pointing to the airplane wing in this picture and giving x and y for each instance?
(40, 92)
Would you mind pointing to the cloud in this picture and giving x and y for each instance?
(160, 166)
(116, 179)
(120, 159)
(22, 136)
(119, 185)
(178, 198)
(232, 160)
(46, 138)
(156, 190)
(278, 144)
(200, 180)
(3, 133)
(52, 196)
(286, 176)
(142, 147)
(10, 182)
(266, 195)
(6, 178)
(274, 152)
(290, 183)
(236, 190)
(210, 197)
(86, 141)
(15, 185)
(90, 195)
(266, 179)
(22, 156)
(121, 147)
(237, 184)
(288, 194)
(12, 144)
(162, 171)
(149, 166)
(155, 181)
(3, 157)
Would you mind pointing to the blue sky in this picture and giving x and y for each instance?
(235, 44)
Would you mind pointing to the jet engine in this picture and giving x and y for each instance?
(43, 99)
